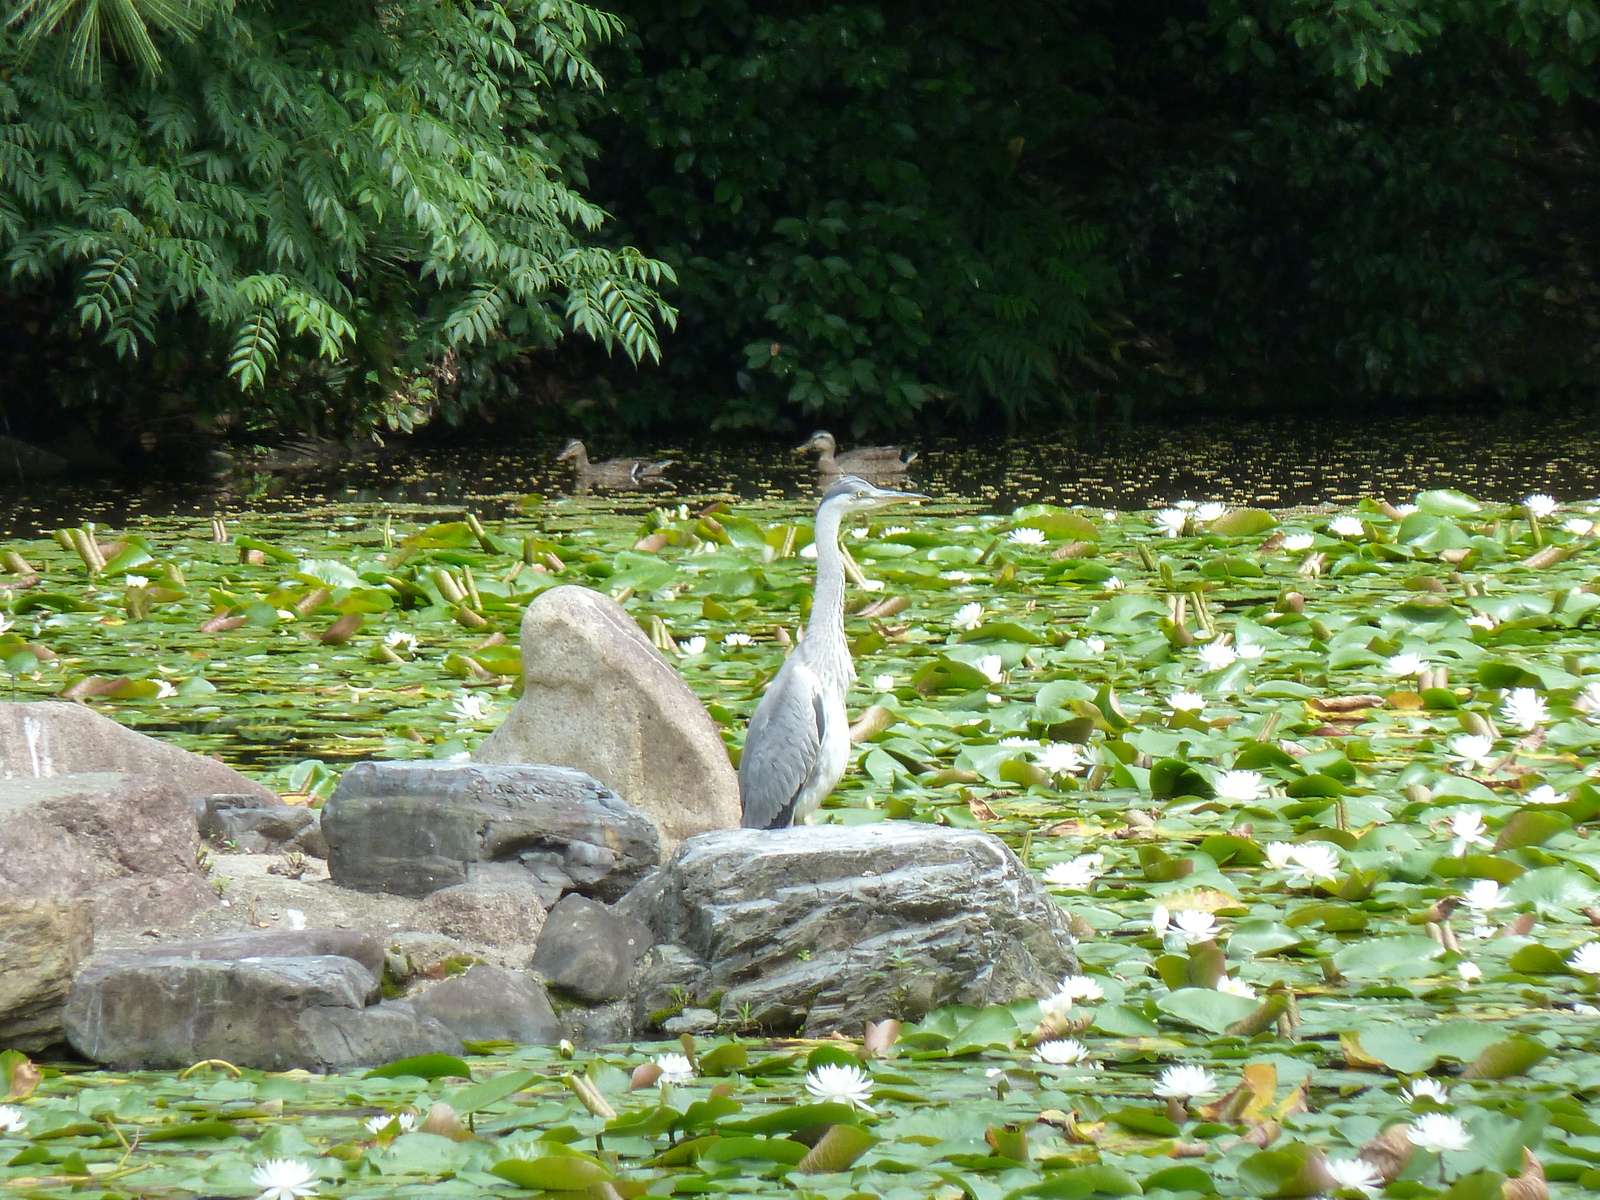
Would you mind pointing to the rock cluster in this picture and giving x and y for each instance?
(519, 897)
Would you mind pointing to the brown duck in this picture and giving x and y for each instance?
(863, 460)
(612, 471)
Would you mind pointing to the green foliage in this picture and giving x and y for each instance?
(349, 211)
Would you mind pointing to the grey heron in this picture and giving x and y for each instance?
(798, 742)
(863, 460)
(612, 470)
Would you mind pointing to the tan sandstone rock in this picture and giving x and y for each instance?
(42, 942)
(600, 698)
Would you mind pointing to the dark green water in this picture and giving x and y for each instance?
(1275, 465)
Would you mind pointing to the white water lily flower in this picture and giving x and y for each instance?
(1061, 1052)
(1113, 584)
(968, 616)
(1578, 525)
(1541, 505)
(1438, 1132)
(12, 1119)
(1063, 758)
(1482, 621)
(1185, 1083)
(1076, 875)
(404, 1121)
(1195, 926)
(1405, 664)
(1314, 861)
(1586, 958)
(1544, 794)
(1186, 702)
(834, 1084)
(1588, 700)
(694, 645)
(1249, 650)
(1026, 537)
(859, 532)
(1280, 854)
(469, 707)
(1524, 708)
(1188, 505)
(992, 667)
(1214, 656)
(1473, 749)
(956, 576)
(1405, 510)
(1094, 645)
(1485, 895)
(1239, 786)
(1080, 987)
(737, 639)
(883, 683)
(1210, 511)
(1160, 919)
(1297, 542)
(675, 1068)
(400, 641)
(1470, 972)
(284, 1179)
(1346, 526)
(1017, 741)
(809, 550)
(1236, 987)
(1424, 1088)
(893, 530)
(164, 689)
(1171, 521)
(1354, 1174)
(1467, 827)
(135, 581)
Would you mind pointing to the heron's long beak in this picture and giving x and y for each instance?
(886, 497)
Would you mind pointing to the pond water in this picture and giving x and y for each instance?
(1278, 464)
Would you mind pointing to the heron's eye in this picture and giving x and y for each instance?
(861, 495)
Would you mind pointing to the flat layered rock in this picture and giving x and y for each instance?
(42, 942)
(276, 1014)
(599, 698)
(412, 828)
(824, 928)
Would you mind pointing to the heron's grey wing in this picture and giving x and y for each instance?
(781, 747)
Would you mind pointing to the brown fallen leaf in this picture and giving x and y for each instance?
(1074, 550)
(1342, 704)
(1522, 924)
(18, 1075)
(652, 544)
(1273, 544)
(221, 623)
(1530, 1184)
(879, 1037)
(1406, 701)
(644, 1075)
(981, 810)
(872, 722)
(1264, 1134)
(442, 1120)
(1389, 1152)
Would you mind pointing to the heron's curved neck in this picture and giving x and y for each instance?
(827, 604)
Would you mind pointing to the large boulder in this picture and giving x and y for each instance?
(274, 1014)
(252, 824)
(588, 950)
(491, 1004)
(42, 941)
(825, 928)
(127, 841)
(46, 738)
(412, 828)
(599, 698)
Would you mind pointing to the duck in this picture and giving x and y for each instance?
(616, 472)
(863, 460)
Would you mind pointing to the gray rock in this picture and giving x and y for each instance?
(254, 825)
(23, 460)
(825, 928)
(598, 697)
(606, 1025)
(42, 739)
(588, 950)
(490, 1004)
(691, 1020)
(416, 955)
(271, 1014)
(411, 828)
(491, 914)
(41, 944)
(127, 841)
(363, 948)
